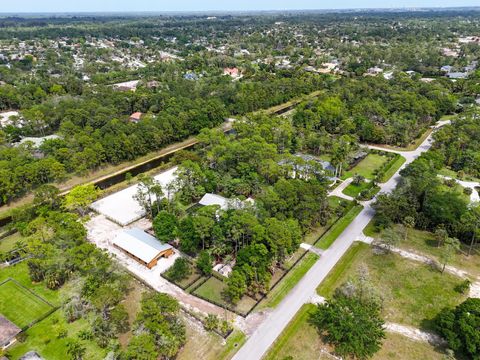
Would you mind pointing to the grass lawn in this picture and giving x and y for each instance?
(367, 166)
(212, 290)
(301, 341)
(393, 168)
(276, 295)
(329, 237)
(44, 339)
(8, 243)
(353, 190)
(19, 305)
(413, 293)
(19, 272)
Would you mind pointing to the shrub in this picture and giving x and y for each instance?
(463, 287)
(204, 263)
(211, 322)
(180, 270)
(459, 327)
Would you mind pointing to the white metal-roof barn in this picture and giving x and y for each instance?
(141, 246)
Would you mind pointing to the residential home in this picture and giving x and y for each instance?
(233, 72)
(457, 75)
(127, 85)
(190, 76)
(135, 117)
(446, 68)
(374, 71)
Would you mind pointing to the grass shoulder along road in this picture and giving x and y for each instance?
(330, 236)
(393, 167)
(276, 295)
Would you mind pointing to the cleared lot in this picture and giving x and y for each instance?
(122, 208)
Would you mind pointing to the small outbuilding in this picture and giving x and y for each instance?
(142, 247)
(8, 332)
(224, 203)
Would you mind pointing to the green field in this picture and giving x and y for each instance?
(413, 293)
(329, 237)
(43, 336)
(19, 305)
(367, 166)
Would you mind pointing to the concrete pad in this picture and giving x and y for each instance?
(122, 208)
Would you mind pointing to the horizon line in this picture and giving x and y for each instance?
(404, 8)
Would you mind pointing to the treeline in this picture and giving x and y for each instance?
(377, 110)
(460, 144)
(94, 130)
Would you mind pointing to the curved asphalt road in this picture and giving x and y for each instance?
(261, 340)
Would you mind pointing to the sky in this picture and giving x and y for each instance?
(209, 5)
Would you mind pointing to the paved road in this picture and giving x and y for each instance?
(261, 340)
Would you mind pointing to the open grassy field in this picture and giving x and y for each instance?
(19, 305)
(301, 341)
(424, 242)
(329, 237)
(212, 290)
(43, 336)
(367, 166)
(276, 295)
(413, 293)
(19, 273)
